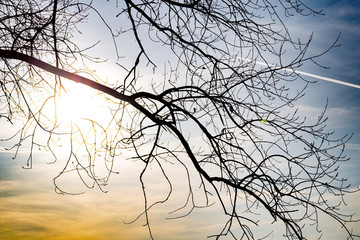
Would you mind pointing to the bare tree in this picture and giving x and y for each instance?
(223, 107)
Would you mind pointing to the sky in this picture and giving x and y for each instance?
(30, 208)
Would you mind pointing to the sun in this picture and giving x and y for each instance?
(78, 102)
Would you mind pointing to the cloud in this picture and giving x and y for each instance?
(30, 209)
(353, 146)
(42, 214)
(338, 117)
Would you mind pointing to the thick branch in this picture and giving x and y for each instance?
(8, 54)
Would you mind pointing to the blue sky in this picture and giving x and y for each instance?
(344, 64)
(29, 205)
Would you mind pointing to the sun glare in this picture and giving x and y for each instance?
(78, 102)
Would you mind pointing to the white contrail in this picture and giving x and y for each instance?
(328, 79)
(308, 74)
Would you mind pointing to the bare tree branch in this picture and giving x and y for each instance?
(216, 111)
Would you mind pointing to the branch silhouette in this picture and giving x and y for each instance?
(215, 112)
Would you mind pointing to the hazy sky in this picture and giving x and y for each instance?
(30, 208)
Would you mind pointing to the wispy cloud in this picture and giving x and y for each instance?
(353, 146)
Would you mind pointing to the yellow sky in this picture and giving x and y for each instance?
(30, 209)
